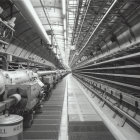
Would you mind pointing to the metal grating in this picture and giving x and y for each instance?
(46, 125)
(89, 131)
(40, 135)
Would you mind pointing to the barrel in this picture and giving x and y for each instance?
(11, 127)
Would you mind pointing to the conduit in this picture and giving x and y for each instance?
(29, 13)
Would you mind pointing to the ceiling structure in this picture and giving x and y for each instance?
(40, 32)
(59, 17)
(67, 32)
(51, 17)
(101, 29)
(92, 15)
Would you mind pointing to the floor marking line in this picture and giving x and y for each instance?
(63, 134)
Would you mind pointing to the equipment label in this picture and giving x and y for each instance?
(7, 131)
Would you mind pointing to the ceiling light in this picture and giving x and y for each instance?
(64, 34)
(64, 22)
(72, 47)
(64, 6)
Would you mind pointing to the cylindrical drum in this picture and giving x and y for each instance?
(11, 127)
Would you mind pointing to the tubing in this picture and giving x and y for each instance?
(41, 73)
(29, 13)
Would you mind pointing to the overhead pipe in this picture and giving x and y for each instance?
(115, 1)
(110, 8)
(81, 28)
(81, 25)
(123, 46)
(29, 13)
(12, 100)
(41, 73)
(48, 21)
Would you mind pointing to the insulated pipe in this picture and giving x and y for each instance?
(12, 100)
(41, 73)
(19, 76)
(29, 13)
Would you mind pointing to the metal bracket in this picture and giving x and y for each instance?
(118, 105)
(136, 109)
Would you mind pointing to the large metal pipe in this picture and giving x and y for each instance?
(12, 100)
(19, 76)
(15, 77)
(29, 13)
(41, 73)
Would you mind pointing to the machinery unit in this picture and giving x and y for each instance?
(31, 97)
(22, 91)
(48, 80)
(31, 92)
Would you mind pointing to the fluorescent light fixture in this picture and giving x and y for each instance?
(64, 6)
(64, 22)
(65, 35)
(54, 50)
(72, 47)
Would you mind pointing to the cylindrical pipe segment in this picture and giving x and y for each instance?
(17, 77)
(28, 12)
(41, 73)
(12, 100)
(11, 127)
